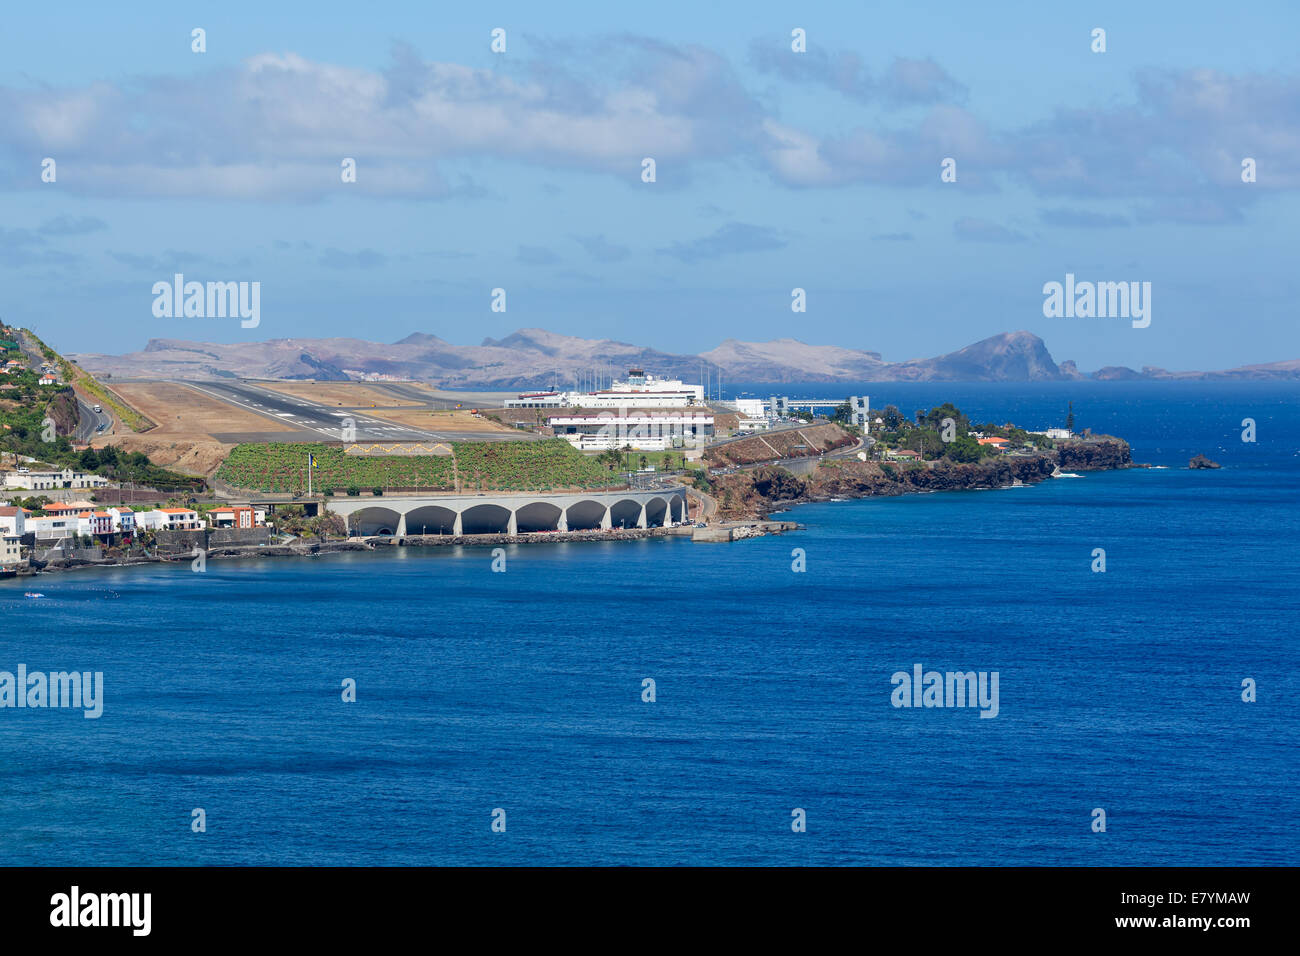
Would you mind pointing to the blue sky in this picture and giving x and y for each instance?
(774, 170)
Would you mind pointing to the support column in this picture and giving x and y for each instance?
(401, 525)
(513, 527)
(605, 523)
(456, 529)
(563, 523)
(640, 521)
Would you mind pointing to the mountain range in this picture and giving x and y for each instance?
(536, 358)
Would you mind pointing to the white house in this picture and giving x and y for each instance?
(168, 519)
(13, 521)
(95, 523)
(63, 526)
(47, 480)
(123, 520)
(10, 551)
(180, 519)
(150, 520)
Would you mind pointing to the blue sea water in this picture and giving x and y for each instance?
(522, 690)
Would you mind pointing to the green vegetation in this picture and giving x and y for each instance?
(614, 460)
(292, 520)
(24, 411)
(925, 434)
(124, 412)
(75, 375)
(282, 467)
(133, 467)
(548, 465)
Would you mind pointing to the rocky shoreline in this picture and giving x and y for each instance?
(308, 549)
(755, 494)
(745, 496)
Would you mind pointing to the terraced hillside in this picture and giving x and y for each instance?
(282, 467)
(552, 465)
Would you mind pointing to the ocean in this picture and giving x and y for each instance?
(479, 691)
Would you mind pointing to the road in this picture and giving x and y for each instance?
(767, 431)
(328, 422)
(90, 420)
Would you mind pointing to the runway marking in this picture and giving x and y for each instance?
(328, 432)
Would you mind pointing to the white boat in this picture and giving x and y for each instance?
(1068, 474)
(33, 594)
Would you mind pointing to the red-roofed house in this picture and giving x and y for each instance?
(95, 522)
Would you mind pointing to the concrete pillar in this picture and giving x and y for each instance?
(401, 525)
(563, 523)
(457, 528)
(513, 527)
(605, 523)
(640, 521)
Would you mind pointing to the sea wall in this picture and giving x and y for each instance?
(175, 542)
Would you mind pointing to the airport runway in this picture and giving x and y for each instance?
(328, 421)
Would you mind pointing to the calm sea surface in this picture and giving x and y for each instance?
(479, 690)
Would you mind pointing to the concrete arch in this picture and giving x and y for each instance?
(656, 513)
(538, 516)
(431, 519)
(625, 513)
(585, 515)
(375, 520)
(677, 508)
(485, 519)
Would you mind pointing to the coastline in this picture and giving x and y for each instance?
(751, 498)
(756, 494)
(309, 549)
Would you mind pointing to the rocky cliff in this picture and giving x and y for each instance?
(752, 494)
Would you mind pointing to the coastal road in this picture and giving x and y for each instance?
(89, 421)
